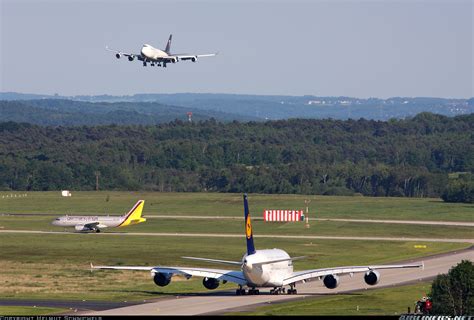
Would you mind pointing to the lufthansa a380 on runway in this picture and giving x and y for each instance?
(159, 57)
(261, 268)
(95, 223)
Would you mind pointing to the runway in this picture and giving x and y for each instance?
(226, 301)
(200, 217)
(234, 235)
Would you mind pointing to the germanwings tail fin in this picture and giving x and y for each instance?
(248, 228)
(134, 216)
(168, 44)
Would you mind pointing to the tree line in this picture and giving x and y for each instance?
(408, 158)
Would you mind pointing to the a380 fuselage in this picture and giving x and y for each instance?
(260, 274)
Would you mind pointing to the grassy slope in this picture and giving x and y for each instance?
(231, 205)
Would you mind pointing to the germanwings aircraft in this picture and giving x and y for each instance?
(159, 57)
(261, 268)
(95, 223)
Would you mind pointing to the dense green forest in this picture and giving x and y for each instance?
(410, 157)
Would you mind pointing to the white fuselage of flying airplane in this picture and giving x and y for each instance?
(152, 54)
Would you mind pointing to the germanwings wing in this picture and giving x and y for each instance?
(319, 273)
(224, 275)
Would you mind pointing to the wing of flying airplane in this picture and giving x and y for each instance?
(130, 56)
(219, 274)
(192, 57)
(301, 276)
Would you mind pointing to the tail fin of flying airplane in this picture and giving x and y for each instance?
(248, 228)
(168, 45)
(134, 216)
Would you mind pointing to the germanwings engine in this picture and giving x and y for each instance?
(162, 279)
(210, 283)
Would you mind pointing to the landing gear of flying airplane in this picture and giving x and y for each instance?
(152, 64)
(144, 63)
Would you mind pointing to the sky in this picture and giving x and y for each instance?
(325, 48)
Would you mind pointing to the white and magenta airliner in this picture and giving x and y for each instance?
(261, 268)
(159, 57)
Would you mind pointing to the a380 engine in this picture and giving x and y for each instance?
(331, 281)
(118, 55)
(162, 279)
(131, 57)
(372, 277)
(210, 283)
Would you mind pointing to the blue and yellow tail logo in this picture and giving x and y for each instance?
(248, 228)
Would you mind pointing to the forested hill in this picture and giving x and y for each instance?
(275, 107)
(396, 158)
(56, 112)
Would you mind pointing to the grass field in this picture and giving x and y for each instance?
(30, 311)
(231, 205)
(385, 301)
(56, 266)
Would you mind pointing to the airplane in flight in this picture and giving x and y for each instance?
(96, 223)
(159, 57)
(260, 268)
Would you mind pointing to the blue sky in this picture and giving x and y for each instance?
(328, 48)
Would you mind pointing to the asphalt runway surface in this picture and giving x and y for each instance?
(234, 235)
(190, 217)
(226, 301)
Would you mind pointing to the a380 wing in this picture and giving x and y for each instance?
(317, 273)
(227, 275)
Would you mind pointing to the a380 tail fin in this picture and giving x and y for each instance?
(248, 228)
(168, 44)
(134, 216)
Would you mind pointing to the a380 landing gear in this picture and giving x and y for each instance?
(277, 290)
(240, 291)
(254, 291)
(292, 289)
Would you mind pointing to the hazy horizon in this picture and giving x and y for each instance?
(361, 49)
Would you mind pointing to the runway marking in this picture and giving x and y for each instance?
(232, 235)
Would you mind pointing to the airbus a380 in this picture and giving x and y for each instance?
(95, 223)
(159, 57)
(261, 268)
